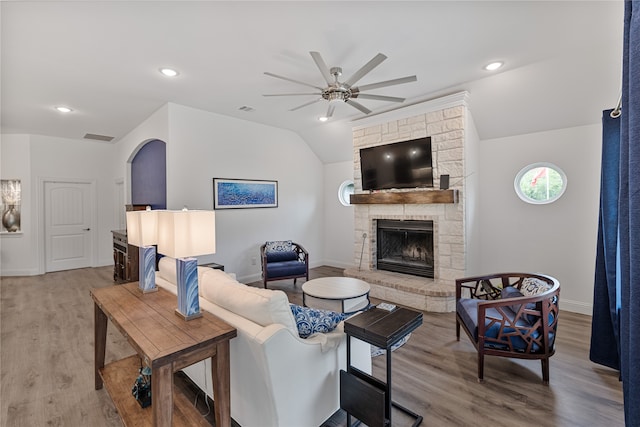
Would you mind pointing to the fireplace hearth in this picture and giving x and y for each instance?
(405, 247)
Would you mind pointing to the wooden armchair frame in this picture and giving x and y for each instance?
(534, 319)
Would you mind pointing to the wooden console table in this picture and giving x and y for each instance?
(166, 343)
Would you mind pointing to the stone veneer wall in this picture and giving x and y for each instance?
(446, 129)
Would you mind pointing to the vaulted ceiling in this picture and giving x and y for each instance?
(562, 62)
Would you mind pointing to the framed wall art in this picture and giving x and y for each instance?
(11, 193)
(244, 193)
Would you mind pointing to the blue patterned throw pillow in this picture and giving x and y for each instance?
(532, 286)
(279, 246)
(312, 320)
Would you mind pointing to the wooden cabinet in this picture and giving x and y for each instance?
(125, 258)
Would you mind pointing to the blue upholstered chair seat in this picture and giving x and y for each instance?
(468, 310)
(286, 268)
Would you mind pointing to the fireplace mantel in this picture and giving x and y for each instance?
(406, 197)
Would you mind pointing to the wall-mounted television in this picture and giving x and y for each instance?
(405, 164)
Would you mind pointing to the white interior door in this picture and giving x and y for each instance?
(68, 236)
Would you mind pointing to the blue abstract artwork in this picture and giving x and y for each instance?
(234, 193)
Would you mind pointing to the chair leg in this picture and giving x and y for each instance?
(545, 371)
(480, 366)
(457, 330)
(294, 281)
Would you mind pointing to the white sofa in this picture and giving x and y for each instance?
(277, 378)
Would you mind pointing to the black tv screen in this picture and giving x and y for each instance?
(404, 164)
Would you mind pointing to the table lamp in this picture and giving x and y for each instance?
(183, 235)
(142, 231)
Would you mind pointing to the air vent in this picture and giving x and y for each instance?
(246, 109)
(98, 137)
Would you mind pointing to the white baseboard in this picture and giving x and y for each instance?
(337, 264)
(25, 272)
(576, 307)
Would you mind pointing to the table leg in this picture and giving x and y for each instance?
(100, 342)
(388, 399)
(221, 378)
(162, 395)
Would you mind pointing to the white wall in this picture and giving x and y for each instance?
(16, 249)
(202, 146)
(338, 219)
(471, 188)
(32, 158)
(557, 239)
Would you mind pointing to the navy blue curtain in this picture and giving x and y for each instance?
(629, 216)
(605, 340)
(616, 308)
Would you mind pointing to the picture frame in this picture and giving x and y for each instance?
(244, 193)
(10, 206)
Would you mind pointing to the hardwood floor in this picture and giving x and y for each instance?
(46, 366)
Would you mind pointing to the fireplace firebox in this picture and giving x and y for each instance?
(405, 247)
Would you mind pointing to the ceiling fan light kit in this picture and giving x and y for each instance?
(346, 92)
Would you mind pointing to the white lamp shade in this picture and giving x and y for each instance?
(183, 234)
(142, 228)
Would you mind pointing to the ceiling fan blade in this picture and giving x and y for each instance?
(322, 66)
(365, 69)
(305, 104)
(292, 80)
(290, 94)
(388, 83)
(378, 97)
(330, 110)
(358, 106)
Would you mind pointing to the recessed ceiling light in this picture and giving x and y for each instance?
(169, 72)
(493, 66)
(63, 109)
(323, 119)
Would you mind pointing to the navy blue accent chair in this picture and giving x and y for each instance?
(282, 260)
(509, 315)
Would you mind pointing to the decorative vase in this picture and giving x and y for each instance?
(11, 219)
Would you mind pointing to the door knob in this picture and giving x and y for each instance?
(87, 229)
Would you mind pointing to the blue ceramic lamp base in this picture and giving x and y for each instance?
(187, 278)
(147, 270)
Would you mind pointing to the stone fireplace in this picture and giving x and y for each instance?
(405, 247)
(432, 288)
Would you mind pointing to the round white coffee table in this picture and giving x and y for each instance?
(341, 294)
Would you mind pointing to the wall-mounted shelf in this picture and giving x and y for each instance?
(406, 197)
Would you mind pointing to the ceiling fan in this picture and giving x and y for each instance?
(344, 91)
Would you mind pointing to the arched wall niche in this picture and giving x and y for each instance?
(148, 166)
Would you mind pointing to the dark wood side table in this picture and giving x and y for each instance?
(362, 395)
(166, 343)
(213, 265)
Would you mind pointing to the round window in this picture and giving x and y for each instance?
(540, 183)
(345, 190)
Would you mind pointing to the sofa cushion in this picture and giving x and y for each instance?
(213, 277)
(282, 256)
(312, 320)
(278, 246)
(167, 270)
(286, 268)
(261, 306)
